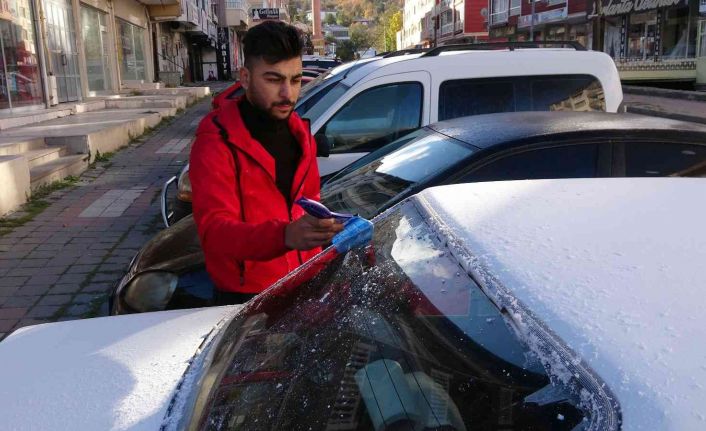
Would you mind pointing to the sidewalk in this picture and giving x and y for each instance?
(673, 104)
(63, 264)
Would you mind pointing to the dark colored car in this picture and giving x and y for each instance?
(507, 146)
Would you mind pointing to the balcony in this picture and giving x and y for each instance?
(237, 14)
(163, 9)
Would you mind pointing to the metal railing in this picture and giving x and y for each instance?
(237, 4)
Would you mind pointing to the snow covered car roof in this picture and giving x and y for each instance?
(116, 373)
(611, 266)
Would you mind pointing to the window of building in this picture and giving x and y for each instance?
(678, 35)
(642, 31)
(20, 82)
(515, 7)
(132, 52)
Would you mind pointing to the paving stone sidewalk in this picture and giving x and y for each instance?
(63, 264)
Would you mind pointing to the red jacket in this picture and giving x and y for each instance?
(241, 217)
(225, 95)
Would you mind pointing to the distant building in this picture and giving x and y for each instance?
(362, 21)
(324, 14)
(338, 32)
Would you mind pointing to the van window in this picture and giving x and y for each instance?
(462, 97)
(375, 117)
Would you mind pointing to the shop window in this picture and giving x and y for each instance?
(131, 53)
(678, 40)
(20, 82)
(642, 32)
(612, 36)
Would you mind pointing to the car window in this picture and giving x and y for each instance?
(659, 159)
(375, 117)
(459, 98)
(323, 88)
(397, 337)
(566, 161)
(327, 99)
(392, 170)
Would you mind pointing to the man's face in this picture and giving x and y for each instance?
(274, 88)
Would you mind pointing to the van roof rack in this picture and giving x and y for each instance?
(403, 52)
(503, 45)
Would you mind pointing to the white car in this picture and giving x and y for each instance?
(546, 304)
(374, 104)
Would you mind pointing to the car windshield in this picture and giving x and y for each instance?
(395, 336)
(379, 179)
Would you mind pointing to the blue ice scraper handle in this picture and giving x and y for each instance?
(356, 232)
(319, 210)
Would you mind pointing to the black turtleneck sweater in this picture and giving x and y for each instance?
(275, 136)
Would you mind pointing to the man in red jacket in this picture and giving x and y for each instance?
(251, 160)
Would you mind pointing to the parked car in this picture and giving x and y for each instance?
(509, 146)
(548, 304)
(321, 62)
(385, 99)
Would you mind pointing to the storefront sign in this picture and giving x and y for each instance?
(223, 54)
(502, 31)
(264, 13)
(543, 17)
(618, 7)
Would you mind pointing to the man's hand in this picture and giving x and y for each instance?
(309, 232)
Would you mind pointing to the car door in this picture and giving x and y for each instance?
(658, 158)
(371, 115)
(577, 159)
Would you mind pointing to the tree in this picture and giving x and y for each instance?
(330, 19)
(360, 37)
(345, 50)
(344, 18)
(386, 32)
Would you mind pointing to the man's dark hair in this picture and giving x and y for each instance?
(273, 41)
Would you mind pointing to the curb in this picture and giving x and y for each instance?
(669, 115)
(698, 96)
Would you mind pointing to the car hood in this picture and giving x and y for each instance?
(112, 373)
(177, 242)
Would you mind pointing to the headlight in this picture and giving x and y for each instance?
(184, 192)
(151, 291)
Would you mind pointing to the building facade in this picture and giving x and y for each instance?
(432, 23)
(58, 51)
(650, 40)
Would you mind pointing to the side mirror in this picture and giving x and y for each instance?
(323, 147)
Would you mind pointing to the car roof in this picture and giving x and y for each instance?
(488, 130)
(503, 63)
(611, 266)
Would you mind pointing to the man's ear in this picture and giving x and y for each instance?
(244, 77)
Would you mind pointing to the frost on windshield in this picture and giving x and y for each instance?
(394, 336)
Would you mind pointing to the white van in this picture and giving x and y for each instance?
(372, 105)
